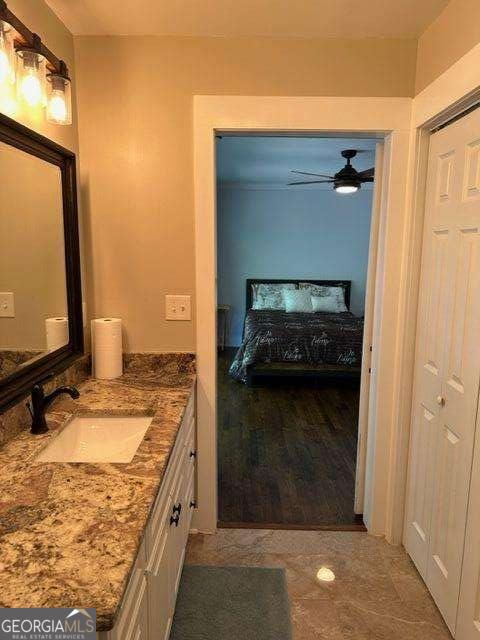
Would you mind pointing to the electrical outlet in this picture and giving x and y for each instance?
(177, 308)
(7, 305)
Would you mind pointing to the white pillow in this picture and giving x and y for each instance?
(298, 301)
(329, 304)
(269, 296)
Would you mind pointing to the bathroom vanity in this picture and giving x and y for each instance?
(107, 535)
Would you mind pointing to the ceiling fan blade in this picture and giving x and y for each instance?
(367, 173)
(312, 182)
(318, 175)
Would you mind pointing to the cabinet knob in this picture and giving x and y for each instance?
(177, 508)
(193, 454)
(441, 400)
(174, 520)
(193, 504)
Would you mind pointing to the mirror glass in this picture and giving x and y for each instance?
(33, 293)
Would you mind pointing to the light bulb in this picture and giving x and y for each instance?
(346, 189)
(7, 73)
(59, 104)
(31, 88)
(4, 66)
(57, 108)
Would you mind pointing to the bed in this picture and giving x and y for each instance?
(280, 343)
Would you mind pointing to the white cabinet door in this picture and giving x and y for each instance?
(132, 623)
(448, 364)
(159, 581)
(176, 548)
(138, 628)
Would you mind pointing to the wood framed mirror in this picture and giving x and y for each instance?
(41, 327)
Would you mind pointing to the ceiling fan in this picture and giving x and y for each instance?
(347, 180)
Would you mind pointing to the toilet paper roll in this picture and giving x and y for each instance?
(107, 353)
(56, 330)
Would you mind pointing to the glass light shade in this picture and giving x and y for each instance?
(7, 55)
(31, 78)
(346, 189)
(59, 101)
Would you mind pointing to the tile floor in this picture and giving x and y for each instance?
(377, 594)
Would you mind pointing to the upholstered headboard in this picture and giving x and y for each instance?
(346, 284)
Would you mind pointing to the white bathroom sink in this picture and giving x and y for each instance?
(97, 439)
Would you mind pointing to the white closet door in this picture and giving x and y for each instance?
(468, 621)
(447, 379)
(431, 331)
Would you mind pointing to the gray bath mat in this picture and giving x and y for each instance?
(234, 603)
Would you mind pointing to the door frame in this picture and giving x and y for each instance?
(387, 118)
(368, 331)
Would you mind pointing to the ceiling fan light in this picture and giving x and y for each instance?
(346, 188)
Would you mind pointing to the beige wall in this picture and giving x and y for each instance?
(135, 123)
(448, 38)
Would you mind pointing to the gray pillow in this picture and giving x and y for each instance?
(269, 296)
(320, 291)
(329, 304)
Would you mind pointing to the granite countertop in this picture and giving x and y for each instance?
(70, 532)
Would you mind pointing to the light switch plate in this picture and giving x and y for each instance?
(177, 308)
(7, 305)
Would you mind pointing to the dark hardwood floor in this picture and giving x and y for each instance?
(286, 453)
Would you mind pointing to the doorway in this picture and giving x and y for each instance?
(357, 117)
(288, 379)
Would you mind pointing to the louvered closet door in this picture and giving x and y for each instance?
(448, 363)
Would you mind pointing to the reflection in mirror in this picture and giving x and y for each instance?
(33, 294)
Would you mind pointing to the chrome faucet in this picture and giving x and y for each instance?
(40, 402)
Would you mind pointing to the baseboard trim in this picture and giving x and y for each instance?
(360, 527)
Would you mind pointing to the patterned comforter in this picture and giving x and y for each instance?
(313, 338)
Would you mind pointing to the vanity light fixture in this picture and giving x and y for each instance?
(7, 57)
(30, 77)
(59, 101)
(42, 79)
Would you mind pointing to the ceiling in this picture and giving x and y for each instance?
(304, 18)
(266, 162)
